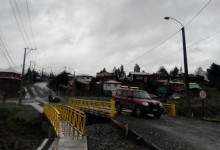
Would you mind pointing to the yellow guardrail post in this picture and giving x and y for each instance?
(54, 117)
(126, 130)
(84, 126)
(112, 114)
(170, 109)
(173, 110)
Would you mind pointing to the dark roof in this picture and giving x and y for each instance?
(9, 71)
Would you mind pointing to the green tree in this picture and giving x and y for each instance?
(122, 72)
(213, 73)
(137, 68)
(62, 78)
(181, 70)
(119, 72)
(200, 71)
(162, 71)
(174, 72)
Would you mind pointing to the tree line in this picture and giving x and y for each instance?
(212, 74)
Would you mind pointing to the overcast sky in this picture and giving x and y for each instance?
(88, 35)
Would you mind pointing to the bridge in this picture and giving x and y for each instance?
(69, 121)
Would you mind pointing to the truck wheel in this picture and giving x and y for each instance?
(157, 114)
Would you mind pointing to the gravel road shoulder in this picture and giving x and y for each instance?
(109, 136)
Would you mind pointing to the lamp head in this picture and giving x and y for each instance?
(167, 18)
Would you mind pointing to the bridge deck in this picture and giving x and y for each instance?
(69, 139)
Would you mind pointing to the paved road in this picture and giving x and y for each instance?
(40, 92)
(166, 133)
(175, 132)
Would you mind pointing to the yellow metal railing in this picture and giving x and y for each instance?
(102, 107)
(75, 117)
(169, 109)
(54, 116)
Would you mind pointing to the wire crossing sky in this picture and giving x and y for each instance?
(88, 35)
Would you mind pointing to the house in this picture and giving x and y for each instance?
(138, 77)
(80, 82)
(105, 76)
(179, 87)
(9, 79)
(82, 85)
(84, 77)
(110, 87)
(176, 86)
(161, 88)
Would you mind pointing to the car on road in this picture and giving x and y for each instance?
(53, 97)
(138, 101)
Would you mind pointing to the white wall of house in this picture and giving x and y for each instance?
(86, 78)
(111, 87)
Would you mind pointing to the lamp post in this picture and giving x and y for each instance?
(22, 76)
(188, 103)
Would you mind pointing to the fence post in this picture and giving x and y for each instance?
(173, 109)
(112, 113)
(84, 125)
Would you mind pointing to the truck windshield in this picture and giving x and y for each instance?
(141, 95)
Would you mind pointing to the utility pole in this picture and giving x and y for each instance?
(188, 103)
(22, 75)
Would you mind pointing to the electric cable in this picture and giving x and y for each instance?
(4, 46)
(22, 24)
(18, 24)
(198, 12)
(30, 24)
(204, 39)
(171, 35)
(161, 43)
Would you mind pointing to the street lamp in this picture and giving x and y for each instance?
(188, 103)
(22, 76)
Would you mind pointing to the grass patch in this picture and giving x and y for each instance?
(19, 127)
(211, 108)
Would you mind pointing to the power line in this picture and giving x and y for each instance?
(6, 48)
(161, 43)
(22, 22)
(30, 24)
(5, 57)
(171, 35)
(6, 52)
(204, 39)
(18, 23)
(207, 37)
(198, 12)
